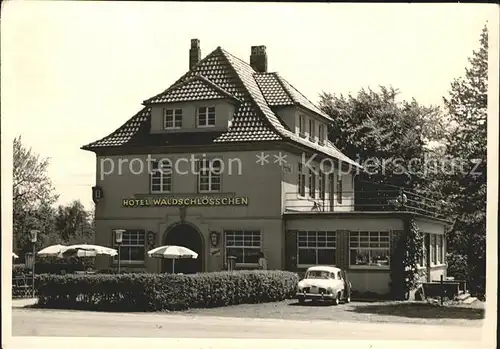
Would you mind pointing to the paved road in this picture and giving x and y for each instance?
(37, 322)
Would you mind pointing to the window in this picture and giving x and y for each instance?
(132, 248)
(439, 247)
(161, 177)
(302, 181)
(312, 130)
(322, 186)
(206, 116)
(332, 191)
(172, 118)
(321, 134)
(368, 248)
(339, 188)
(302, 125)
(316, 247)
(209, 175)
(245, 245)
(433, 249)
(312, 183)
(423, 260)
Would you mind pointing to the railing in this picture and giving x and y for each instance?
(383, 200)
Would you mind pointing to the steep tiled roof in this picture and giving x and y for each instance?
(196, 88)
(279, 92)
(222, 75)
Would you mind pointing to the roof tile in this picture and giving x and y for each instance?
(222, 75)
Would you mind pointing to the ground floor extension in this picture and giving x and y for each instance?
(358, 242)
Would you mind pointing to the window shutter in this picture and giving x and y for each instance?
(291, 250)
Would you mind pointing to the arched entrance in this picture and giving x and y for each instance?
(187, 235)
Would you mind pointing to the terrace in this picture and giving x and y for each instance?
(369, 202)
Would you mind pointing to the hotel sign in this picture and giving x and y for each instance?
(186, 201)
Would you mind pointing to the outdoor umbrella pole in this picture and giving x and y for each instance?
(173, 265)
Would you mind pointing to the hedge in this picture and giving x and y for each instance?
(157, 292)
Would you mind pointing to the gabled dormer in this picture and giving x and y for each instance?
(196, 104)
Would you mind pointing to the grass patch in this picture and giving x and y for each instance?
(421, 310)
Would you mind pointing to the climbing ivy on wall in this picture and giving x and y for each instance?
(406, 252)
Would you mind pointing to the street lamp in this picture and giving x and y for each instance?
(119, 240)
(33, 238)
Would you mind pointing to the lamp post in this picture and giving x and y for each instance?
(119, 240)
(33, 238)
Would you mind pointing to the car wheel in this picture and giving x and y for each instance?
(348, 299)
(302, 301)
(336, 301)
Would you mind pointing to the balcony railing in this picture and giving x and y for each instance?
(384, 200)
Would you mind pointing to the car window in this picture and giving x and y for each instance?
(339, 275)
(317, 274)
(332, 276)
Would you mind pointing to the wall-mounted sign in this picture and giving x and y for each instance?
(214, 239)
(215, 251)
(189, 201)
(97, 194)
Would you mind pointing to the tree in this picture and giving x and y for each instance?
(74, 224)
(465, 187)
(32, 193)
(391, 139)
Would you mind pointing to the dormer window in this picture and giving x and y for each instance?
(302, 126)
(312, 130)
(321, 134)
(206, 117)
(172, 119)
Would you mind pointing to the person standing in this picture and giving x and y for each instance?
(262, 262)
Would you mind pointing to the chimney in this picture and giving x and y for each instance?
(194, 53)
(258, 59)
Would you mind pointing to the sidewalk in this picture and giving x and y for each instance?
(21, 303)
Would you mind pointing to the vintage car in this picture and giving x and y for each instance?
(324, 283)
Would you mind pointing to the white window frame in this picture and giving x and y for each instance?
(206, 169)
(322, 185)
(369, 248)
(312, 183)
(433, 248)
(439, 250)
(131, 238)
(339, 185)
(208, 111)
(251, 240)
(314, 244)
(301, 181)
(423, 260)
(302, 126)
(164, 175)
(321, 134)
(312, 130)
(176, 118)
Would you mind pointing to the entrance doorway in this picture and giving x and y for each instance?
(186, 235)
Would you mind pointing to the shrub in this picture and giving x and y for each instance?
(155, 292)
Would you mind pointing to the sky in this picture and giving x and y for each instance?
(73, 72)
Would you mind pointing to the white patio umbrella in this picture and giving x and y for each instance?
(51, 251)
(14, 255)
(173, 252)
(84, 250)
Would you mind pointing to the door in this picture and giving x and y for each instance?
(188, 236)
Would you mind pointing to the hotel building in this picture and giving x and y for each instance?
(232, 160)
